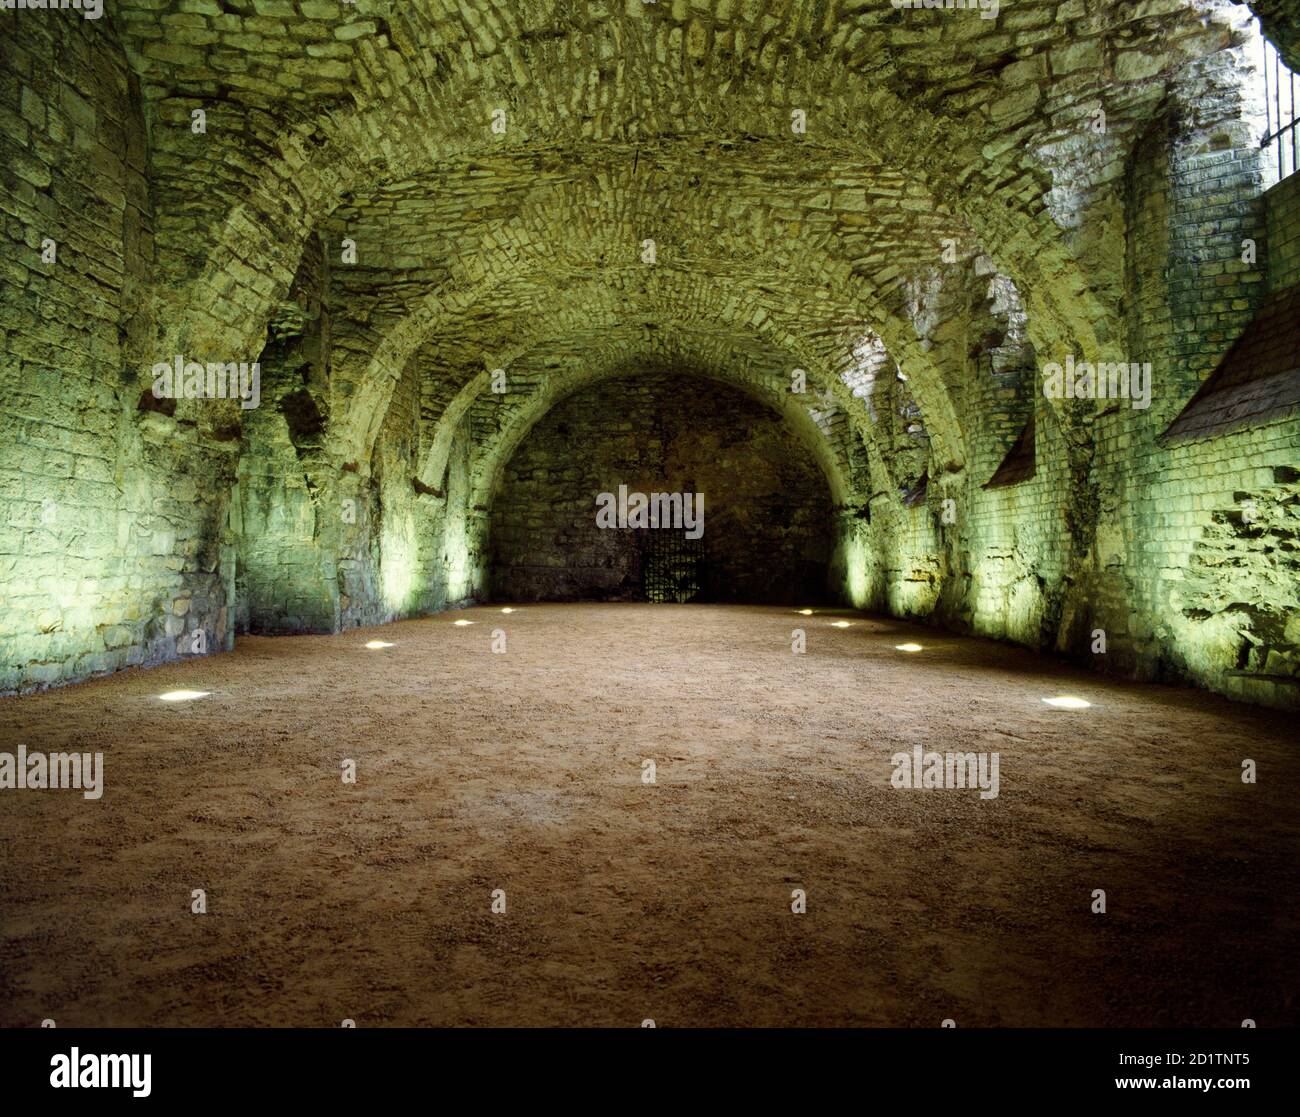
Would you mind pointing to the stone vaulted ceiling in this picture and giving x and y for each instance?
(500, 166)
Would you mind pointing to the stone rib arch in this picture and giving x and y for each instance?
(681, 354)
(500, 429)
(407, 70)
(358, 422)
(581, 309)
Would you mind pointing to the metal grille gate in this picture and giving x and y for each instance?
(672, 566)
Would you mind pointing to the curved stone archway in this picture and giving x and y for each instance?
(662, 487)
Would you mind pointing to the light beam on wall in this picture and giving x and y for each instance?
(398, 566)
(456, 544)
(857, 567)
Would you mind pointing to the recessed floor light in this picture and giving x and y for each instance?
(1067, 702)
(461, 624)
(379, 644)
(907, 647)
(840, 624)
(805, 612)
(507, 610)
(183, 695)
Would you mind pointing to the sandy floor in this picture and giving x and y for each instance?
(522, 772)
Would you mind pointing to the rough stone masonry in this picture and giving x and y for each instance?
(430, 224)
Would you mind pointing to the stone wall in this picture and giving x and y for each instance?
(115, 548)
(767, 512)
(1173, 515)
(1168, 562)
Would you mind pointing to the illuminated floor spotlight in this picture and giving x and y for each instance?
(1067, 702)
(183, 695)
(840, 624)
(907, 647)
(375, 644)
(461, 624)
(805, 612)
(507, 609)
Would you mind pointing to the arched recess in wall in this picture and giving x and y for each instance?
(523, 416)
(602, 334)
(490, 427)
(719, 314)
(335, 475)
(593, 344)
(733, 504)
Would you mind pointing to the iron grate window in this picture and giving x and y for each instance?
(672, 566)
(1280, 142)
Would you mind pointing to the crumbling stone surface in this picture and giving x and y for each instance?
(908, 213)
(112, 550)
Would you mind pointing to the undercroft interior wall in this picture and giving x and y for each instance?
(1193, 569)
(328, 545)
(139, 533)
(1165, 578)
(116, 548)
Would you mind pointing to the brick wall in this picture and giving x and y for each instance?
(1282, 247)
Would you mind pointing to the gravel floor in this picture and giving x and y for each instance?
(624, 900)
